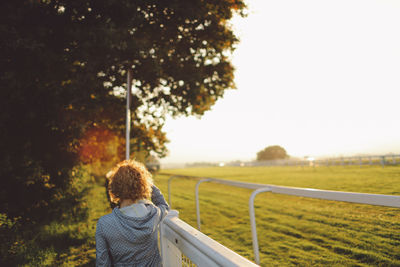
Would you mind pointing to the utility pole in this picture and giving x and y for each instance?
(128, 112)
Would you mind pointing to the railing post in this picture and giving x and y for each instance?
(197, 201)
(171, 256)
(253, 222)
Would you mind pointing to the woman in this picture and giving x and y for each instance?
(128, 235)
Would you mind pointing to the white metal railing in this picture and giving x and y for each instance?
(177, 238)
(361, 198)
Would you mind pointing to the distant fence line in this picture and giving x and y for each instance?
(383, 160)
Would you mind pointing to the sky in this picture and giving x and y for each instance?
(319, 78)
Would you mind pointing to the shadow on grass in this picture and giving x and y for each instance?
(61, 242)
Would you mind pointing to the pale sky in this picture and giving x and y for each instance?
(319, 78)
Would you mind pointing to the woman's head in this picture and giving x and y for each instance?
(129, 180)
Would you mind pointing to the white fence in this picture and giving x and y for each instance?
(382, 160)
(177, 238)
(362, 198)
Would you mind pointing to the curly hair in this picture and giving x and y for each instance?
(129, 180)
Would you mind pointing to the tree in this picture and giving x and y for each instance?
(271, 153)
(62, 73)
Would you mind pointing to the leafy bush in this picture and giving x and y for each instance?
(26, 241)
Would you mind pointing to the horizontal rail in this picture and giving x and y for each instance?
(221, 181)
(360, 198)
(199, 248)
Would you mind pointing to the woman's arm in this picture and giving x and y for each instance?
(102, 254)
(158, 199)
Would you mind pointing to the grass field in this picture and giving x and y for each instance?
(83, 253)
(295, 230)
(66, 242)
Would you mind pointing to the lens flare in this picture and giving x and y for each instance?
(100, 144)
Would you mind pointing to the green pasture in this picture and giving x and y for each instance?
(295, 230)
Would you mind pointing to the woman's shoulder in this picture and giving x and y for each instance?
(106, 218)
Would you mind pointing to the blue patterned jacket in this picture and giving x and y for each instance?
(122, 240)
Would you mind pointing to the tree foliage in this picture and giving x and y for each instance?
(62, 73)
(271, 153)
